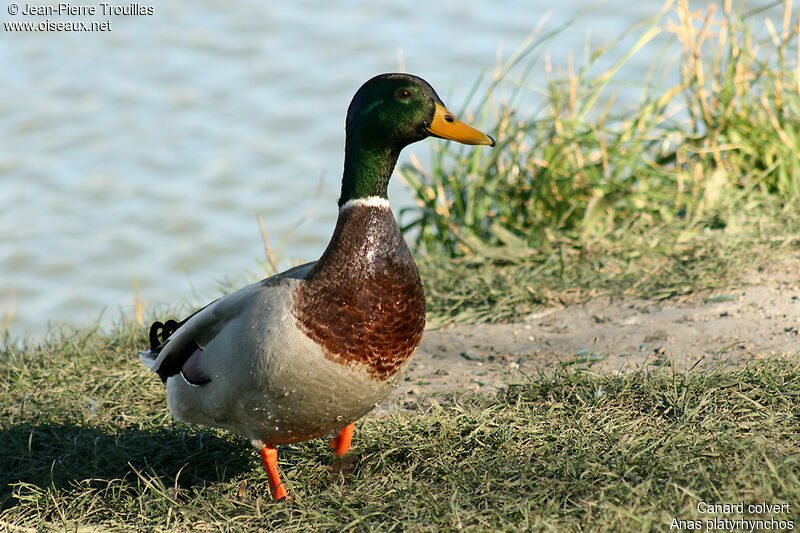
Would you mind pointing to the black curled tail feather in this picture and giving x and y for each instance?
(160, 332)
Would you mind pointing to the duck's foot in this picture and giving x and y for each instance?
(269, 456)
(341, 443)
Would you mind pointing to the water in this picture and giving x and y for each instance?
(144, 154)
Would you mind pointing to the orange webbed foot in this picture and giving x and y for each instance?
(269, 456)
(341, 443)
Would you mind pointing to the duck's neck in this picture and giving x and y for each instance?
(367, 169)
(366, 238)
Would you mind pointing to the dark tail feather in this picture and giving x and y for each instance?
(160, 332)
(159, 335)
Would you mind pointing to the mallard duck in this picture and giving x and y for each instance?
(307, 352)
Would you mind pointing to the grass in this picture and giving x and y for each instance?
(86, 444)
(694, 184)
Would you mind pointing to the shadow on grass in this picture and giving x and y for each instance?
(59, 455)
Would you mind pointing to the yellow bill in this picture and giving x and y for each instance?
(447, 126)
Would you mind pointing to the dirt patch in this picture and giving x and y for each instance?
(756, 317)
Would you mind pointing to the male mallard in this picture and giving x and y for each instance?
(306, 352)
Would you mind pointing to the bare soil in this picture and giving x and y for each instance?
(756, 317)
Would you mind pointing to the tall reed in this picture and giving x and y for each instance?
(583, 165)
(587, 194)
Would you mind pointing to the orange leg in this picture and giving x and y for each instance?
(269, 456)
(341, 443)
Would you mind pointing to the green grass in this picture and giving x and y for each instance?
(86, 441)
(684, 190)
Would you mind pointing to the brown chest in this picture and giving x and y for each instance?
(363, 302)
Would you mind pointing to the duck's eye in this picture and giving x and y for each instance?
(402, 94)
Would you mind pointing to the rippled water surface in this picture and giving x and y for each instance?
(146, 152)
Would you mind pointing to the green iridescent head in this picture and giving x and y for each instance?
(388, 113)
